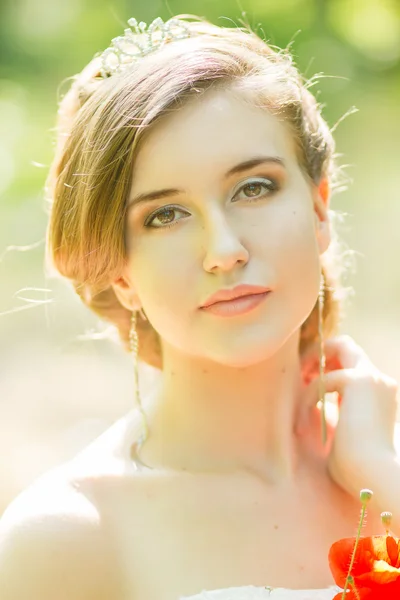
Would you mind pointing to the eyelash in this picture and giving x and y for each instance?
(272, 187)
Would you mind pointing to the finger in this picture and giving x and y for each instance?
(340, 352)
(335, 381)
(312, 369)
(349, 353)
(310, 398)
(310, 359)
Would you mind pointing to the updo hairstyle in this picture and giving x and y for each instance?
(100, 125)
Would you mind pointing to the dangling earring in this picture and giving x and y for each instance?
(134, 345)
(322, 359)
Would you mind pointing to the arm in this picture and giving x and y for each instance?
(62, 555)
(381, 474)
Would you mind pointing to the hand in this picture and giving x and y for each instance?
(367, 402)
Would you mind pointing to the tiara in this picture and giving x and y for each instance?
(135, 44)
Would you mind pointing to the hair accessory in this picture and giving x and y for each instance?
(134, 346)
(322, 359)
(133, 45)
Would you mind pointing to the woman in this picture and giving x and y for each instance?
(190, 206)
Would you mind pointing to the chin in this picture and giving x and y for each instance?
(241, 357)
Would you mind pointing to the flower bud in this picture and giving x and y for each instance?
(386, 518)
(366, 495)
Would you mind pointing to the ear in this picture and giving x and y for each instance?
(322, 222)
(125, 292)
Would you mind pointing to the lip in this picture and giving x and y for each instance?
(239, 291)
(237, 306)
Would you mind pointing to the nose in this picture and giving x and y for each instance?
(224, 250)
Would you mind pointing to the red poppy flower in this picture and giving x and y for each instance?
(375, 570)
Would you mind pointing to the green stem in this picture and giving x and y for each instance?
(355, 591)
(349, 578)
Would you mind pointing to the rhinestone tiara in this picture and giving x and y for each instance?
(133, 45)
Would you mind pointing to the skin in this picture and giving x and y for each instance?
(231, 387)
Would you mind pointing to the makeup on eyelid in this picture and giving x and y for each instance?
(271, 185)
(274, 163)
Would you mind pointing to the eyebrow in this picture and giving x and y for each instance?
(239, 168)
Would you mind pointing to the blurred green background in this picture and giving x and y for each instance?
(58, 389)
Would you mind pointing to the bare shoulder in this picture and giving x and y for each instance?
(53, 532)
(52, 545)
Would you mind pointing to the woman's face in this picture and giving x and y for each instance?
(261, 225)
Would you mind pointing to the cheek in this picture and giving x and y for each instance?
(300, 262)
(301, 273)
(294, 256)
(162, 280)
(287, 234)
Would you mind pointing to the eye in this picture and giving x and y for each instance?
(165, 217)
(257, 188)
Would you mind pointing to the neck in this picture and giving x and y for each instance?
(212, 417)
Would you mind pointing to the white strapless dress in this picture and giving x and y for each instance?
(251, 592)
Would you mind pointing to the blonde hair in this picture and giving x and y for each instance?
(100, 124)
